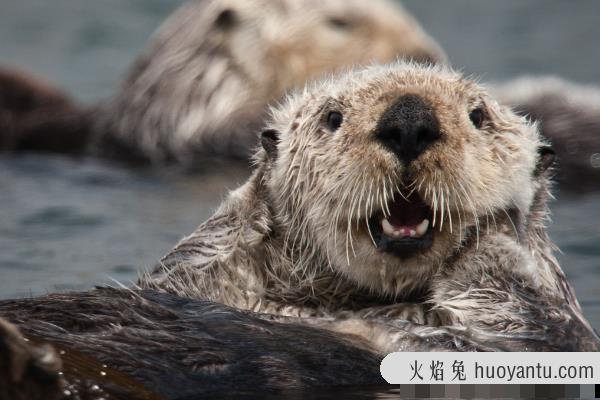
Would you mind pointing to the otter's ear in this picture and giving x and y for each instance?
(269, 140)
(546, 159)
(226, 19)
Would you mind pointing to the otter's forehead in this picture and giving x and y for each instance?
(370, 91)
(385, 82)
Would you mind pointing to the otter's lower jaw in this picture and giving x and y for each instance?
(407, 230)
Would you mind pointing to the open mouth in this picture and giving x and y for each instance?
(406, 230)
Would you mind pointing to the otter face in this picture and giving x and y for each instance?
(388, 170)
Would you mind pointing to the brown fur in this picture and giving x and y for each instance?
(35, 116)
(145, 345)
(147, 342)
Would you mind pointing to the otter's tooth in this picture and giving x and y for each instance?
(413, 233)
(422, 227)
(388, 229)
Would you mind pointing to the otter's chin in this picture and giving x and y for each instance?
(406, 230)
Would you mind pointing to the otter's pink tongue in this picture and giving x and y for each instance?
(408, 217)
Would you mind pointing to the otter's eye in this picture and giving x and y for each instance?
(339, 23)
(334, 120)
(226, 19)
(477, 116)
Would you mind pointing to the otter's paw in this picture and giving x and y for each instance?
(27, 371)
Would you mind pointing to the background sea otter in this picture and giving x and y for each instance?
(171, 106)
(202, 85)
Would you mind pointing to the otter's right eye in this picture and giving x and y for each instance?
(477, 116)
(334, 120)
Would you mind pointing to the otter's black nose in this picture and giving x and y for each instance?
(408, 127)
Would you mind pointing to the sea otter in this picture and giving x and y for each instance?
(393, 184)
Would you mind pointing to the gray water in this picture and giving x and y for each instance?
(68, 224)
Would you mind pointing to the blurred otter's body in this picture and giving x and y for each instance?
(202, 86)
(205, 79)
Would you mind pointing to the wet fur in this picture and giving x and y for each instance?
(292, 240)
(155, 345)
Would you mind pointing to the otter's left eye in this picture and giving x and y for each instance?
(334, 120)
(477, 116)
(339, 23)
